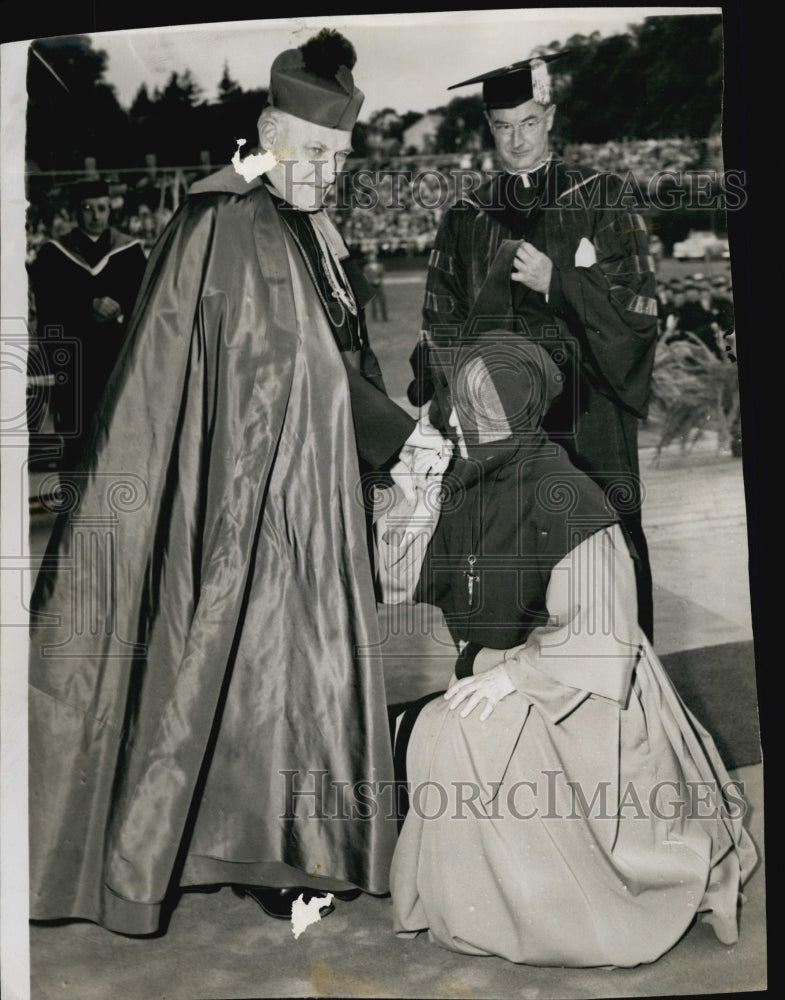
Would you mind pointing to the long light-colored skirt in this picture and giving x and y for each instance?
(594, 841)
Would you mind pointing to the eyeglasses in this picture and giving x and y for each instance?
(528, 126)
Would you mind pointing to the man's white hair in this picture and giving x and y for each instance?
(273, 115)
(278, 119)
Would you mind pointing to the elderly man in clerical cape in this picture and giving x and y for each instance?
(207, 700)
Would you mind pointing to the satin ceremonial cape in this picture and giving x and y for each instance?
(204, 634)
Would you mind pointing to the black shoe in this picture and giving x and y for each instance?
(278, 903)
(348, 895)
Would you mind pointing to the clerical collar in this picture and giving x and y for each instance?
(518, 201)
(326, 270)
(530, 178)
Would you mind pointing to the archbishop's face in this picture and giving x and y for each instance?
(310, 159)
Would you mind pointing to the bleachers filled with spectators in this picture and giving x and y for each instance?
(394, 206)
(642, 157)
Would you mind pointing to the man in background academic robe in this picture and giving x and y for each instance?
(85, 284)
(207, 700)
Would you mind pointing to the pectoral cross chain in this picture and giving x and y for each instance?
(471, 578)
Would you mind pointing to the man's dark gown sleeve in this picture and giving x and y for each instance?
(380, 425)
(610, 305)
(613, 302)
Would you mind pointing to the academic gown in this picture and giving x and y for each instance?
(204, 642)
(80, 352)
(598, 320)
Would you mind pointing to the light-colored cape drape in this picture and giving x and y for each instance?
(589, 819)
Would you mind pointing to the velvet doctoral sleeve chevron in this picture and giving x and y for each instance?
(604, 286)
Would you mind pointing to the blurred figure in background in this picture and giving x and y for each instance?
(374, 275)
(722, 303)
(696, 317)
(84, 283)
(672, 311)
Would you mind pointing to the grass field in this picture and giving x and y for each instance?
(394, 340)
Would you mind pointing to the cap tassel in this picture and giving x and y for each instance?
(541, 84)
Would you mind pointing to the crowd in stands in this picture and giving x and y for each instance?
(393, 207)
(642, 157)
(697, 306)
(395, 211)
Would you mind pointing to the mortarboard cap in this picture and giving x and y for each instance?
(82, 190)
(515, 84)
(314, 82)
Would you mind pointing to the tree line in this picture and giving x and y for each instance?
(660, 79)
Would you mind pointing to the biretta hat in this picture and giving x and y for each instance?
(314, 82)
(515, 84)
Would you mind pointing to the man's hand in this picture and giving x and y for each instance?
(423, 459)
(491, 686)
(532, 268)
(417, 469)
(403, 477)
(427, 437)
(106, 309)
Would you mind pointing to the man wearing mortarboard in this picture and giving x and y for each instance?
(84, 284)
(551, 252)
(222, 711)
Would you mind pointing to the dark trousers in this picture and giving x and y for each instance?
(379, 304)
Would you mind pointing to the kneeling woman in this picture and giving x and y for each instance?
(565, 807)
